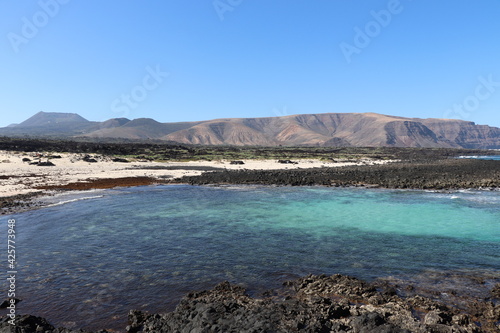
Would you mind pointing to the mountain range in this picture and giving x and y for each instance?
(325, 129)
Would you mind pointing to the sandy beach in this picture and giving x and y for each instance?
(18, 177)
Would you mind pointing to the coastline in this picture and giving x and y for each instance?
(321, 303)
(441, 174)
(383, 305)
(22, 184)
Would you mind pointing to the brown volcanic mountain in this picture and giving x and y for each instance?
(326, 129)
(341, 129)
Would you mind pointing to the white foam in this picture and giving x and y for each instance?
(74, 200)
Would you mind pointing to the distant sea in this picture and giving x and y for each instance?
(494, 158)
(93, 256)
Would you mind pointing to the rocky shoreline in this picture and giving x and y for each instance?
(315, 303)
(427, 174)
(25, 202)
(445, 174)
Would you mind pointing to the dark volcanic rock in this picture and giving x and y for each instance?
(374, 323)
(27, 324)
(48, 163)
(40, 163)
(310, 304)
(286, 162)
(89, 159)
(7, 302)
(32, 324)
(440, 174)
(120, 160)
(17, 203)
(495, 292)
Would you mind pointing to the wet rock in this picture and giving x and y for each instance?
(495, 292)
(374, 323)
(135, 319)
(33, 324)
(27, 324)
(7, 302)
(461, 320)
(315, 303)
(437, 317)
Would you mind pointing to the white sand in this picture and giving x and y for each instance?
(23, 178)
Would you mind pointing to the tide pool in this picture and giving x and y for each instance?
(144, 248)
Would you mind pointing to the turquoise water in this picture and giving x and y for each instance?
(145, 247)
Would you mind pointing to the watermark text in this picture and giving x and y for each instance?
(483, 91)
(150, 81)
(32, 25)
(223, 6)
(11, 271)
(373, 28)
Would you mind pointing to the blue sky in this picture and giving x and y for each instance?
(178, 60)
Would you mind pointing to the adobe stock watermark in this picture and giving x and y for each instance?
(373, 28)
(11, 271)
(31, 25)
(281, 113)
(279, 124)
(152, 80)
(483, 91)
(223, 6)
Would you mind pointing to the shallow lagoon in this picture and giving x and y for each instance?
(145, 247)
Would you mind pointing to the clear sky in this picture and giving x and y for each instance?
(179, 60)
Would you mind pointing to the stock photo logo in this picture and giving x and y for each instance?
(281, 112)
(483, 91)
(32, 25)
(372, 29)
(223, 6)
(151, 81)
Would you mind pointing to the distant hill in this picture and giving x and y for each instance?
(341, 129)
(142, 128)
(115, 122)
(53, 119)
(325, 129)
(57, 124)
